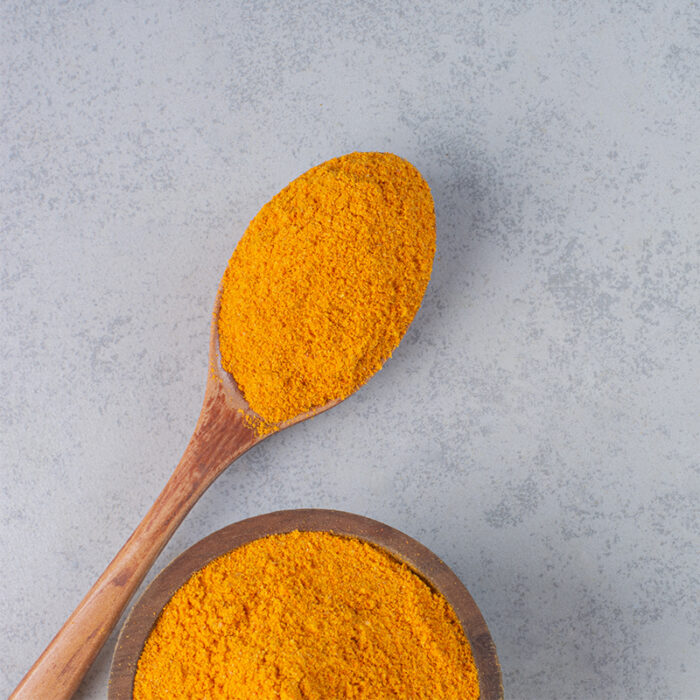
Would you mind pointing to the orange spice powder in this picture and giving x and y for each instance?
(306, 616)
(325, 281)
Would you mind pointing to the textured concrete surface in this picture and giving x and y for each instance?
(539, 426)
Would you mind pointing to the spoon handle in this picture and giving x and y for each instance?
(220, 437)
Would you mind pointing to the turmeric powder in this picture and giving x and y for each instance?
(306, 616)
(325, 281)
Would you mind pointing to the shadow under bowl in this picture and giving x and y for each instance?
(427, 565)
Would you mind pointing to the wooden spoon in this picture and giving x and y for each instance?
(222, 435)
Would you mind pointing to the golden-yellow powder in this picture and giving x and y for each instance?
(306, 616)
(325, 281)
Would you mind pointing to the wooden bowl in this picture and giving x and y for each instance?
(144, 614)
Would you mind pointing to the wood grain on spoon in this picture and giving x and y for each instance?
(222, 434)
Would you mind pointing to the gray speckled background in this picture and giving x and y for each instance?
(539, 426)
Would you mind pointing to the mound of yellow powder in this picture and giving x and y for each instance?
(306, 615)
(325, 281)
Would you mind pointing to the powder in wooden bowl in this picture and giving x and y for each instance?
(306, 615)
(325, 281)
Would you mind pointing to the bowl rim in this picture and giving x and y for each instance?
(426, 564)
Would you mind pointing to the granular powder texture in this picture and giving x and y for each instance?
(306, 616)
(325, 281)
